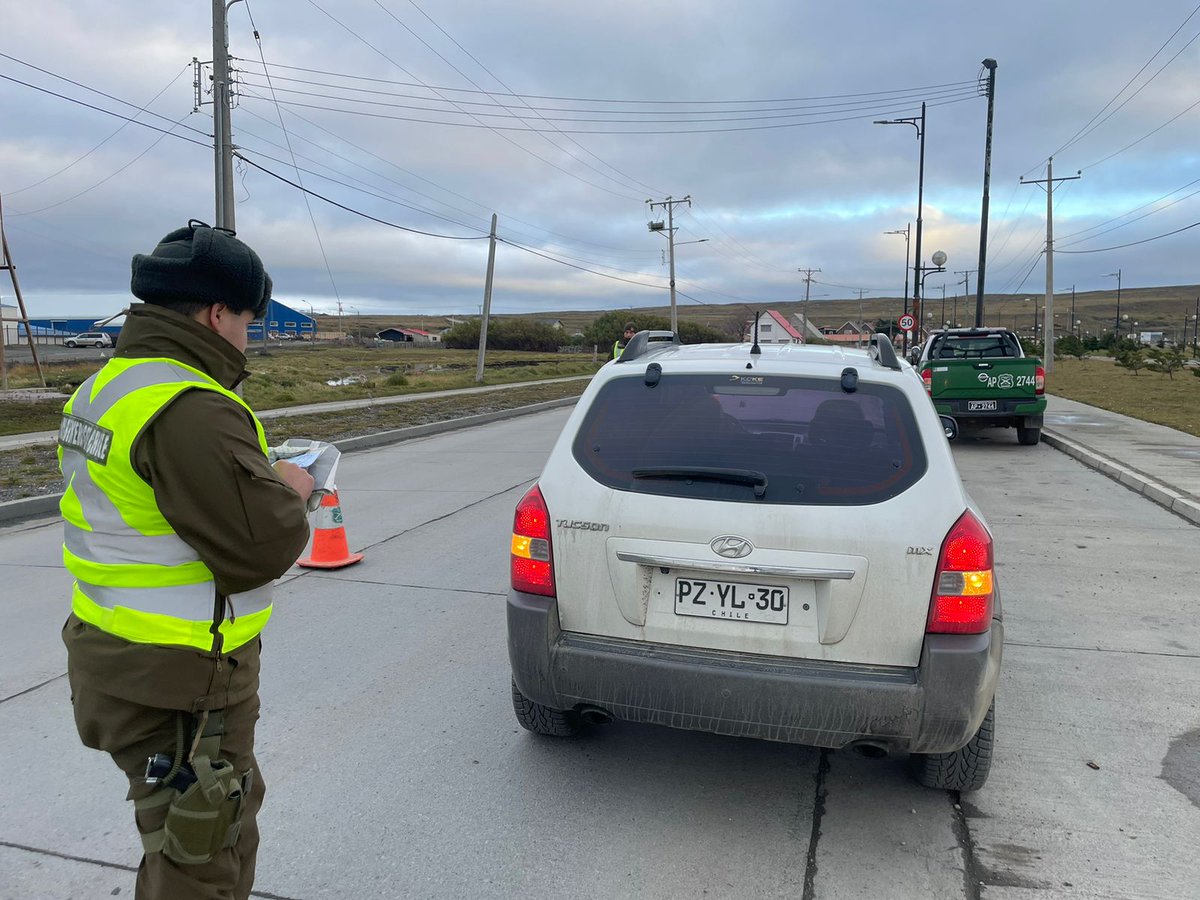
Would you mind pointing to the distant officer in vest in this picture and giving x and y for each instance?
(619, 345)
(176, 526)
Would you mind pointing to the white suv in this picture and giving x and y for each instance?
(766, 542)
(90, 339)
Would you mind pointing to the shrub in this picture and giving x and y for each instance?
(396, 380)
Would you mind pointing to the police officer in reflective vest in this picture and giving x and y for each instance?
(620, 344)
(176, 526)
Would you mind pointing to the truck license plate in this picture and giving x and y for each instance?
(731, 600)
(973, 405)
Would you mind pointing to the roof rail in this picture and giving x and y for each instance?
(645, 341)
(882, 351)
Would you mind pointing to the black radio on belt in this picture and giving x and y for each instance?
(159, 767)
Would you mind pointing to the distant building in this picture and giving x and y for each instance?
(408, 336)
(1151, 337)
(773, 328)
(11, 332)
(556, 324)
(280, 319)
(848, 333)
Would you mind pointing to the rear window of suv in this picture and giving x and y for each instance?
(753, 439)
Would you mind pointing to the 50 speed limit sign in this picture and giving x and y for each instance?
(906, 322)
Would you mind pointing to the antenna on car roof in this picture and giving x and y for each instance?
(755, 349)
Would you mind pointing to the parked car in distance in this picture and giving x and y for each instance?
(771, 544)
(89, 339)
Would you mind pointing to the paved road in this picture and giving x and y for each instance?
(395, 768)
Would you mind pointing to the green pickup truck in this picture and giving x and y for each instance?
(981, 376)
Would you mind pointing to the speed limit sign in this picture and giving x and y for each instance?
(906, 322)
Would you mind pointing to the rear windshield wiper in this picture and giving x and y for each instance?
(732, 476)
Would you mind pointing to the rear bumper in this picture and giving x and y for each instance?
(1008, 411)
(934, 708)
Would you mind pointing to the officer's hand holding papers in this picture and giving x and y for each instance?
(318, 458)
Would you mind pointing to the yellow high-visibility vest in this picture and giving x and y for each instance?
(134, 576)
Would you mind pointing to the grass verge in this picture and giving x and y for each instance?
(31, 471)
(1174, 402)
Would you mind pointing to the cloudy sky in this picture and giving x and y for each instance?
(564, 118)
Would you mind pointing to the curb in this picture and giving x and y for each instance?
(13, 511)
(1166, 497)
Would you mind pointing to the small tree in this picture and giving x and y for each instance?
(1133, 360)
(1069, 345)
(1164, 361)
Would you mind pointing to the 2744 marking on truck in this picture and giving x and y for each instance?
(1005, 380)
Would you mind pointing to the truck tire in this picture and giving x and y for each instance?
(543, 719)
(1030, 436)
(965, 769)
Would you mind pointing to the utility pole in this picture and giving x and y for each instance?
(8, 265)
(966, 283)
(808, 274)
(669, 205)
(990, 65)
(222, 128)
(858, 330)
(486, 311)
(1049, 182)
(1196, 327)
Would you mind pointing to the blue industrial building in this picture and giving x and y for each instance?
(280, 319)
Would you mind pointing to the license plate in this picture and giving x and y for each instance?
(731, 600)
(973, 405)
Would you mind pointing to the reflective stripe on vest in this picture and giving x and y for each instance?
(135, 577)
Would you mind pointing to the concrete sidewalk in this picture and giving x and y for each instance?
(1159, 462)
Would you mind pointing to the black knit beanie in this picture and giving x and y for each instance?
(199, 264)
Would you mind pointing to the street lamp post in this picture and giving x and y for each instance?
(1117, 320)
(923, 272)
(906, 233)
(917, 122)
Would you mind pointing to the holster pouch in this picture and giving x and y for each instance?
(207, 816)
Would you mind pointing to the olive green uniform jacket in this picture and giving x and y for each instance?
(217, 490)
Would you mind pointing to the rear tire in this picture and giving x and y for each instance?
(99, 344)
(966, 769)
(543, 719)
(1029, 437)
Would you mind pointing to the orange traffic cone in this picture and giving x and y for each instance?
(329, 550)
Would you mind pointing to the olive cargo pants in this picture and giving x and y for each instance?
(131, 733)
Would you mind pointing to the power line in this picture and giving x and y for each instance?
(1143, 137)
(1079, 134)
(118, 130)
(350, 209)
(631, 131)
(660, 287)
(491, 128)
(92, 90)
(628, 180)
(108, 112)
(917, 91)
(739, 114)
(1136, 209)
(105, 179)
(308, 206)
(1157, 237)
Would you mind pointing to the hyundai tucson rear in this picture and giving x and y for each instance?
(773, 545)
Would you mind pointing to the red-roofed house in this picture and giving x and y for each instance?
(774, 328)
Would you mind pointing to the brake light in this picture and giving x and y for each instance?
(927, 378)
(1039, 381)
(532, 565)
(964, 587)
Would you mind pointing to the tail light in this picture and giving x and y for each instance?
(1039, 381)
(532, 562)
(964, 587)
(927, 378)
